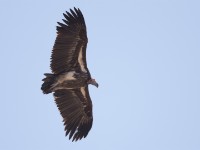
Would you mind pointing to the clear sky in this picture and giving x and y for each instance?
(145, 55)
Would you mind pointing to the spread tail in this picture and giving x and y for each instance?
(48, 82)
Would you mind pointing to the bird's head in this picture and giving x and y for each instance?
(93, 82)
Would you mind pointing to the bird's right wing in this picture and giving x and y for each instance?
(75, 107)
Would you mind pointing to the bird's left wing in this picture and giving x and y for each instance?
(75, 107)
(69, 50)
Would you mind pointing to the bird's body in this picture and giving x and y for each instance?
(70, 76)
(70, 80)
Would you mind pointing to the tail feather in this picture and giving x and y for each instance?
(48, 82)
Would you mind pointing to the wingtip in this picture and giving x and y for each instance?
(71, 10)
(76, 8)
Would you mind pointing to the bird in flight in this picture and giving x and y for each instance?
(70, 76)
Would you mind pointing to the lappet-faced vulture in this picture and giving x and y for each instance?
(70, 76)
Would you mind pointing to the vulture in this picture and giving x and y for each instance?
(70, 76)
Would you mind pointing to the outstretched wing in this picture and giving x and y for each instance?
(69, 50)
(75, 107)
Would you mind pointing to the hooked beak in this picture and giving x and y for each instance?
(93, 82)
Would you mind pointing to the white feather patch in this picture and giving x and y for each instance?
(63, 78)
(80, 60)
(69, 76)
(83, 92)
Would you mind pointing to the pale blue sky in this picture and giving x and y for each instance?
(145, 54)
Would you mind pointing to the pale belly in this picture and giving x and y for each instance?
(70, 80)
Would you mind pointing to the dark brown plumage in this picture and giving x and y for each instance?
(76, 111)
(70, 76)
(71, 36)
